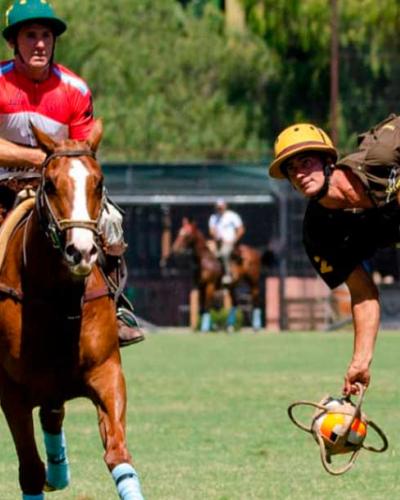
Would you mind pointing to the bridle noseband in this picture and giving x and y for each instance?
(53, 227)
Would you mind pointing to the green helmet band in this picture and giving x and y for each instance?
(29, 11)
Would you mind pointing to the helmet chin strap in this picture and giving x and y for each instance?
(324, 189)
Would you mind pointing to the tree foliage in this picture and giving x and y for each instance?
(172, 84)
(169, 85)
(299, 33)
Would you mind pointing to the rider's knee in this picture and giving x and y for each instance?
(111, 228)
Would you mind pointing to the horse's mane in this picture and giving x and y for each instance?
(200, 239)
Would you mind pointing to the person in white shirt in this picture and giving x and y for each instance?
(226, 228)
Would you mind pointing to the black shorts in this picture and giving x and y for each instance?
(337, 241)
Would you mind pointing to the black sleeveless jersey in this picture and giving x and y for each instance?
(336, 241)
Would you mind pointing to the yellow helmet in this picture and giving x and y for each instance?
(296, 139)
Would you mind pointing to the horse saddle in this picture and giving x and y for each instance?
(236, 255)
(11, 222)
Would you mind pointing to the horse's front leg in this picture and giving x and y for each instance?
(58, 473)
(207, 297)
(232, 314)
(107, 391)
(18, 413)
(256, 316)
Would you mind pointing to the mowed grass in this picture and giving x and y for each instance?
(207, 420)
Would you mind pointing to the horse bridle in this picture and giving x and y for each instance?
(53, 227)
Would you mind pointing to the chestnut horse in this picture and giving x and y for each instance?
(58, 327)
(245, 266)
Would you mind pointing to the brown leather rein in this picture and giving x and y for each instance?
(55, 227)
(18, 296)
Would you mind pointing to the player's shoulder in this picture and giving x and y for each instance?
(6, 67)
(70, 78)
(233, 215)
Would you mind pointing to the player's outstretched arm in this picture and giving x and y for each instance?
(366, 316)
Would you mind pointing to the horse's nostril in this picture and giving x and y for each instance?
(70, 250)
(73, 253)
(93, 250)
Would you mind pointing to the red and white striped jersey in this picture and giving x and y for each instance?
(61, 106)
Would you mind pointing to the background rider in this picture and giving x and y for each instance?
(226, 228)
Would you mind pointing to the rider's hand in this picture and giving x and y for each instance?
(357, 372)
(32, 159)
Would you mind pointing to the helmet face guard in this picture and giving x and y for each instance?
(296, 139)
(30, 11)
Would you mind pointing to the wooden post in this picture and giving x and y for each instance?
(166, 236)
(273, 306)
(227, 299)
(194, 302)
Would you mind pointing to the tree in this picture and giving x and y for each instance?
(169, 85)
(298, 33)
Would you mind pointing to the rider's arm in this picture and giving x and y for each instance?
(16, 156)
(239, 226)
(213, 233)
(82, 119)
(366, 315)
(239, 232)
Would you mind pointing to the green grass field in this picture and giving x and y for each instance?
(207, 420)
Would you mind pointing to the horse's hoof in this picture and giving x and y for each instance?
(58, 477)
(48, 488)
(205, 323)
(256, 321)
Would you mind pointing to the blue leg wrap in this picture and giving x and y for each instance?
(231, 320)
(205, 322)
(256, 322)
(58, 474)
(32, 497)
(127, 482)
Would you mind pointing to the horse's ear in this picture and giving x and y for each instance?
(45, 142)
(188, 221)
(95, 135)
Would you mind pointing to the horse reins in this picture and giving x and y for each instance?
(74, 152)
(55, 227)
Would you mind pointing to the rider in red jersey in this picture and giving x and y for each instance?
(34, 89)
(60, 105)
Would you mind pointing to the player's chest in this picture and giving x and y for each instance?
(51, 103)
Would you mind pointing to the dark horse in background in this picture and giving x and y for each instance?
(58, 327)
(245, 266)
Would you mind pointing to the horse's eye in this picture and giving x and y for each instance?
(49, 187)
(99, 187)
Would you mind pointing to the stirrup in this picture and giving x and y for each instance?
(127, 317)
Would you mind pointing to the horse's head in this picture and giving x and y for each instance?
(186, 237)
(70, 197)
